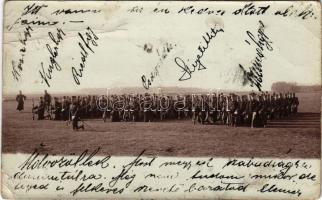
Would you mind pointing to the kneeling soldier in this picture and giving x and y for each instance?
(74, 116)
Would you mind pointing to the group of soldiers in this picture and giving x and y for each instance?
(253, 110)
(69, 109)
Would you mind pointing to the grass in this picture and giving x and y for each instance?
(298, 137)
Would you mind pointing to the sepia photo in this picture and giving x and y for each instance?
(161, 100)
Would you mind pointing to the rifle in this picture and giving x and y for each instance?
(32, 109)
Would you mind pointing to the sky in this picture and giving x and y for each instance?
(130, 45)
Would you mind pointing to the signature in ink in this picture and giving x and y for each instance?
(255, 74)
(197, 64)
(88, 41)
(17, 68)
(147, 82)
(53, 54)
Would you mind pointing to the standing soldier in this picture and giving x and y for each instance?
(235, 111)
(242, 114)
(249, 110)
(213, 108)
(41, 109)
(252, 108)
(134, 108)
(179, 105)
(221, 108)
(262, 113)
(155, 107)
(164, 107)
(65, 108)
(273, 107)
(147, 104)
(226, 111)
(58, 108)
(269, 106)
(82, 108)
(197, 107)
(295, 103)
(20, 98)
(47, 100)
(126, 112)
(231, 107)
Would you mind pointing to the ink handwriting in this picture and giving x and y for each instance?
(197, 63)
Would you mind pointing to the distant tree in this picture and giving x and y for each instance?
(294, 87)
(284, 87)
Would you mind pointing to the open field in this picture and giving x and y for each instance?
(296, 137)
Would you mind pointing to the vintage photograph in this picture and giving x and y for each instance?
(282, 122)
(162, 80)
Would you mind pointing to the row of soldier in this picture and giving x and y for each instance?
(252, 110)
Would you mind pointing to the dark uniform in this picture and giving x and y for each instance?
(47, 99)
(252, 108)
(41, 109)
(74, 116)
(20, 99)
(262, 112)
(295, 103)
(65, 108)
(58, 109)
(147, 105)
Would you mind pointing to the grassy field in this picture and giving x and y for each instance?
(296, 137)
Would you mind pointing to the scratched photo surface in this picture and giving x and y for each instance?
(212, 80)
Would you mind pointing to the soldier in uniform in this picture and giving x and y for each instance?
(155, 107)
(262, 112)
(107, 108)
(268, 98)
(205, 109)
(188, 108)
(65, 108)
(226, 111)
(288, 102)
(242, 110)
(277, 107)
(164, 107)
(295, 103)
(58, 108)
(252, 109)
(134, 109)
(47, 100)
(213, 113)
(20, 98)
(197, 115)
(231, 107)
(147, 105)
(179, 107)
(273, 107)
(126, 112)
(221, 108)
(236, 114)
(40, 109)
(74, 114)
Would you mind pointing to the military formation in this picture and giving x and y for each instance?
(252, 110)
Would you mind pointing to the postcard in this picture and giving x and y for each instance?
(161, 100)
